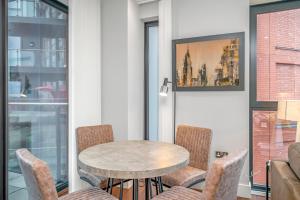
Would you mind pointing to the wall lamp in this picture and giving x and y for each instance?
(164, 88)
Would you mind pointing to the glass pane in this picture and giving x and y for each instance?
(153, 83)
(278, 55)
(37, 89)
(271, 138)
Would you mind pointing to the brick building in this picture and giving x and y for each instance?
(278, 78)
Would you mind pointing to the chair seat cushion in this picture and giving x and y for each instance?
(180, 193)
(88, 194)
(93, 180)
(184, 177)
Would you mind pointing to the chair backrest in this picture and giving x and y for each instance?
(37, 175)
(197, 141)
(223, 177)
(92, 135)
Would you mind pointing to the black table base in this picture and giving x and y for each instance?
(135, 190)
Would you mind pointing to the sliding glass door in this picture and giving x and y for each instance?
(275, 76)
(37, 88)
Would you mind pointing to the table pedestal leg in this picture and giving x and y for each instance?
(135, 191)
(147, 189)
(121, 190)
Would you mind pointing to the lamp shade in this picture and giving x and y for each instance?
(164, 91)
(289, 110)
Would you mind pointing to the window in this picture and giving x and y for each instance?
(151, 81)
(37, 85)
(275, 75)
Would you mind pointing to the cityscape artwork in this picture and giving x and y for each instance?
(209, 63)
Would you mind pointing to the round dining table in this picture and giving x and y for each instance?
(134, 160)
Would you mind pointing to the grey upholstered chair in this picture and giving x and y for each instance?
(89, 136)
(197, 141)
(40, 184)
(221, 181)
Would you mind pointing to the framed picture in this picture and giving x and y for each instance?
(209, 63)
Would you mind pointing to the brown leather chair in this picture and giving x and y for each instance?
(285, 176)
(197, 141)
(86, 137)
(221, 182)
(40, 184)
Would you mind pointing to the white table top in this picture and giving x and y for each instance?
(133, 159)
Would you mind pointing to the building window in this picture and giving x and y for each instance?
(37, 85)
(275, 75)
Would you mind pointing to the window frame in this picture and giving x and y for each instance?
(4, 95)
(255, 105)
(3, 108)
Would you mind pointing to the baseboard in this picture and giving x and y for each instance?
(244, 191)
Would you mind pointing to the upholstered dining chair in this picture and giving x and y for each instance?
(40, 184)
(86, 137)
(197, 141)
(221, 181)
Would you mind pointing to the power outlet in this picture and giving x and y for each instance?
(221, 154)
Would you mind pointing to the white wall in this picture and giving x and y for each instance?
(85, 74)
(165, 70)
(226, 113)
(149, 11)
(123, 68)
(135, 72)
(115, 66)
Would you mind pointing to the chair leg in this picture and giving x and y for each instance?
(267, 178)
(156, 186)
(107, 186)
(161, 189)
(121, 190)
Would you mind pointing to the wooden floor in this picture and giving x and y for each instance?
(127, 194)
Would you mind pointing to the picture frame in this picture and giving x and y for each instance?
(209, 63)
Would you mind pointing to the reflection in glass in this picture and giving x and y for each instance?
(271, 138)
(37, 89)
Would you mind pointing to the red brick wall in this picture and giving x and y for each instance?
(278, 77)
(278, 71)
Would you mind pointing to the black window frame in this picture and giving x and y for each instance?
(3, 94)
(255, 105)
(3, 111)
